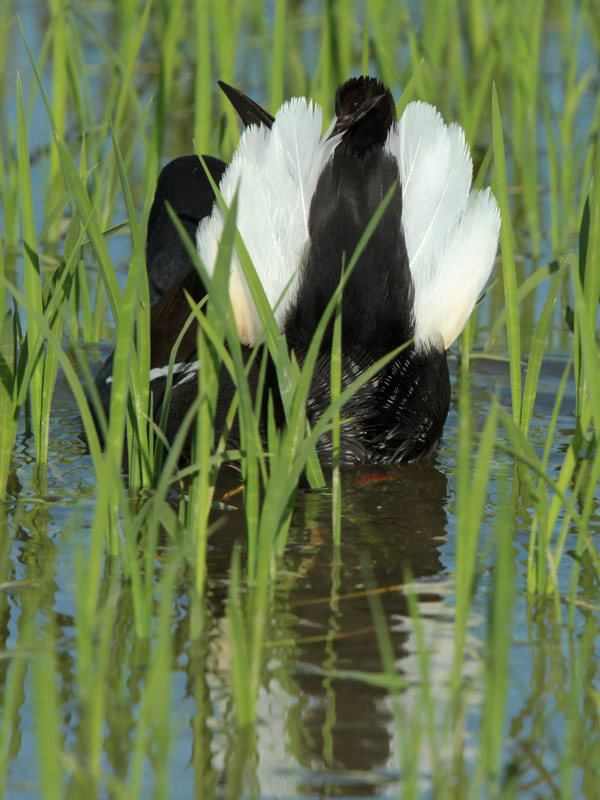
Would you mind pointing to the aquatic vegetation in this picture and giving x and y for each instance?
(174, 630)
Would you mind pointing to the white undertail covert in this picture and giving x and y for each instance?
(277, 171)
(451, 232)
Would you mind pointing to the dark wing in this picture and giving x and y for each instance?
(184, 185)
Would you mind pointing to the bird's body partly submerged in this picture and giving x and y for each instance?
(304, 202)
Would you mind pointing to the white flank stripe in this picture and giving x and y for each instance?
(162, 372)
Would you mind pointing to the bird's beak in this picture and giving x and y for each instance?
(347, 121)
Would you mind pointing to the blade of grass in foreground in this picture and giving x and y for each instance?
(123, 368)
(536, 560)
(33, 288)
(141, 467)
(538, 346)
(94, 634)
(267, 528)
(9, 406)
(525, 288)
(60, 83)
(589, 273)
(203, 81)
(48, 724)
(210, 340)
(409, 730)
(513, 327)
(336, 387)
(498, 650)
(154, 728)
(472, 489)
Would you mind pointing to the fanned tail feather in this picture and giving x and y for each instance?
(448, 286)
(451, 233)
(276, 171)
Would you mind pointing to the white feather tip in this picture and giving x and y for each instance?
(276, 171)
(451, 232)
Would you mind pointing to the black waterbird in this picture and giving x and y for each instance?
(304, 201)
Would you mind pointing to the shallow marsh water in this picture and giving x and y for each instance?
(329, 720)
(332, 721)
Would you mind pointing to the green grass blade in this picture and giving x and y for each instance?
(513, 327)
(278, 49)
(538, 347)
(9, 407)
(33, 286)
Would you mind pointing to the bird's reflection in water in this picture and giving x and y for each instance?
(394, 521)
(332, 729)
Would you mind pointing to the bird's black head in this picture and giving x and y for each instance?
(365, 111)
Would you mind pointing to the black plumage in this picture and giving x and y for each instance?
(183, 185)
(399, 414)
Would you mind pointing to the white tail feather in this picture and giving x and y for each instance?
(277, 172)
(449, 284)
(451, 233)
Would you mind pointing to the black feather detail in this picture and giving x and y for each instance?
(184, 185)
(399, 414)
(249, 112)
(365, 111)
(378, 296)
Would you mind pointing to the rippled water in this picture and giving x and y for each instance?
(324, 729)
